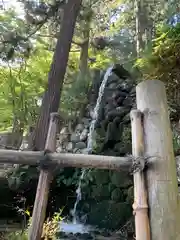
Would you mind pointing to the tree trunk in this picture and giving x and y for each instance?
(83, 65)
(52, 96)
(161, 174)
(15, 138)
(141, 20)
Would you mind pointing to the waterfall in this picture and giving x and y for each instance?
(90, 138)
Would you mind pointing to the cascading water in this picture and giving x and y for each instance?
(96, 109)
(76, 226)
(90, 136)
(79, 196)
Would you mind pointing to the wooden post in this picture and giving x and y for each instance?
(161, 175)
(140, 205)
(45, 179)
(67, 160)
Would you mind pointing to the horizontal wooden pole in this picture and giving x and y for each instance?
(67, 160)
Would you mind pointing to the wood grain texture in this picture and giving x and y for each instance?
(140, 205)
(161, 176)
(67, 160)
(45, 178)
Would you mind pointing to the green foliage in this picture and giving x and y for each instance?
(50, 228)
(20, 176)
(21, 86)
(162, 62)
(68, 177)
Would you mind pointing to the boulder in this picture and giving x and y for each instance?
(117, 195)
(80, 145)
(84, 135)
(79, 128)
(100, 176)
(118, 112)
(86, 121)
(75, 137)
(100, 192)
(69, 147)
(109, 214)
(121, 180)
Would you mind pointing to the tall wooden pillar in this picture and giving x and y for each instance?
(161, 175)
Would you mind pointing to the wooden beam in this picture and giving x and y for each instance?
(45, 178)
(161, 176)
(67, 160)
(92, 161)
(140, 205)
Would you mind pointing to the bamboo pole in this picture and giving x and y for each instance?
(161, 176)
(45, 179)
(67, 160)
(140, 205)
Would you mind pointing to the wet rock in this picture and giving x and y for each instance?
(62, 235)
(77, 150)
(75, 138)
(109, 214)
(79, 128)
(110, 106)
(120, 100)
(121, 180)
(119, 93)
(117, 195)
(112, 133)
(112, 79)
(112, 85)
(85, 151)
(69, 147)
(100, 191)
(126, 119)
(86, 121)
(118, 112)
(85, 236)
(111, 187)
(128, 102)
(59, 149)
(100, 176)
(84, 135)
(106, 233)
(80, 145)
(123, 149)
(118, 146)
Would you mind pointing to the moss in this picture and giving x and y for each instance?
(100, 191)
(109, 214)
(121, 180)
(164, 59)
(100, 176)
(117, 195)
(130, 194)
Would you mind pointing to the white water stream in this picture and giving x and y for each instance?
(75, 226)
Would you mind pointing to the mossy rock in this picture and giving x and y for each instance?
(117, 195)
(100, 191)
(121, 180)
(130, 194)
(122, 148)
(109, 214)
(111, 187)
(101, 176)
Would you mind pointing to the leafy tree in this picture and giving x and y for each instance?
(163, 58)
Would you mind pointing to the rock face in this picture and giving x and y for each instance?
(105, 194)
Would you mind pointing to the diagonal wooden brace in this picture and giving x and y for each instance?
(45, 179)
